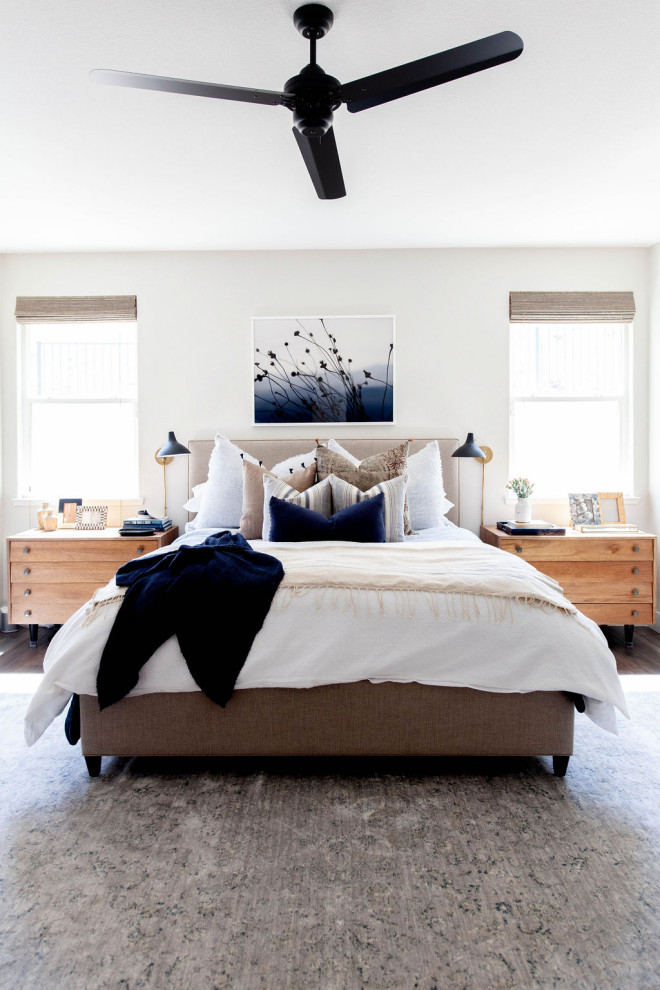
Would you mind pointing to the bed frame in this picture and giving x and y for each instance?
(360, 719)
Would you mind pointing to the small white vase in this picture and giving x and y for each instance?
(523, 511)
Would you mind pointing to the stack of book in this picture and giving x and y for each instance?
(535, 527)
(145, 525)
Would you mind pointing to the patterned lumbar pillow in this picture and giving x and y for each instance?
(252, 519)
(318, 498)
(369, 472)
(393, 492)
(359, 523)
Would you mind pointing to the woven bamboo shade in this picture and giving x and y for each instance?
(75, 309)
(571, 307)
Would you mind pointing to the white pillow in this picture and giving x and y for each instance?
(222, 499)
(295, 463)
(426, 492)
(194, 503)
(318, 498)
(394, 490)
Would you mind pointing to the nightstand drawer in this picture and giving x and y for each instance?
(589, 581)
(30, 573)
(119, 550)
(48, 602)
(618, 615)
(570, 548)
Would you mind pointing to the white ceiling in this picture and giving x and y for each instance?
(559, 147)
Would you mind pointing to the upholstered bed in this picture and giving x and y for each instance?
(444, 704)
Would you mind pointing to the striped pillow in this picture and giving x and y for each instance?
(394, 490)
(318, 498)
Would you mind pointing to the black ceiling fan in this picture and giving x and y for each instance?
(313, 95)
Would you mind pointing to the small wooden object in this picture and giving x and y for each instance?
(608, 501)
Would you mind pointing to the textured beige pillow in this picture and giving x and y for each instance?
(369, 472)
(252, 519)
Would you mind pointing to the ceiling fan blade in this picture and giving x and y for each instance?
(137, 80)
(322, 160)
(382, 87)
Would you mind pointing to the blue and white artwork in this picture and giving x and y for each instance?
(323, 369)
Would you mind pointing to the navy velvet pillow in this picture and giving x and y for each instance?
(361, 523)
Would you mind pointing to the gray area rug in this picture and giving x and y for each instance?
(388, 874)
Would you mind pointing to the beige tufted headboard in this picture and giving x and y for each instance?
(273, 451)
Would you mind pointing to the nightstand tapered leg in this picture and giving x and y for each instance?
(628, 636)
(33, 629)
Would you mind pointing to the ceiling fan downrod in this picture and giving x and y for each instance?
(316, 94)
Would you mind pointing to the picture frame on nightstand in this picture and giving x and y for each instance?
(612, 508)
(584, 509)
(91, 516)
(66, 509)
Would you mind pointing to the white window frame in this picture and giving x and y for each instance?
(625, 401)
(25, 404)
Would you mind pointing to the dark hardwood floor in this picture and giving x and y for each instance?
(16, 654)
(644, 658)
(18, 657)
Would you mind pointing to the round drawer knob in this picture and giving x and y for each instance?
(140, 549)
(635, 549)
(635, 613)
(27, 612)
(519, 549)
(27, 592)
(635, 570)
(635, 591)
(26, 570)
(26, 549)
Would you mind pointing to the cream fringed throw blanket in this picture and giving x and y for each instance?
(467, 571)
(448, 578)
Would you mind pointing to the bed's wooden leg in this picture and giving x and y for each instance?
(94, 765)
(560, 765)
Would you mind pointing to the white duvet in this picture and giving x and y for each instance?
(315, 638)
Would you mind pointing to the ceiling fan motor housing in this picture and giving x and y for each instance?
(316, 96)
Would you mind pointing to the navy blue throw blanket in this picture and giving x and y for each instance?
(214, 597)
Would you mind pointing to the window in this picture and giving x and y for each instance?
(570, 399)
(78, 415)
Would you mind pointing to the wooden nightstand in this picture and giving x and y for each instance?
(52, 574)
(610, 577)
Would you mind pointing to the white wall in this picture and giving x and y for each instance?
(654, 395)
(451, 309)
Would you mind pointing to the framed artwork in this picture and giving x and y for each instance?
(612, 509)
(585, 509)
(67, 510)
(323, 369)
(91, 516)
